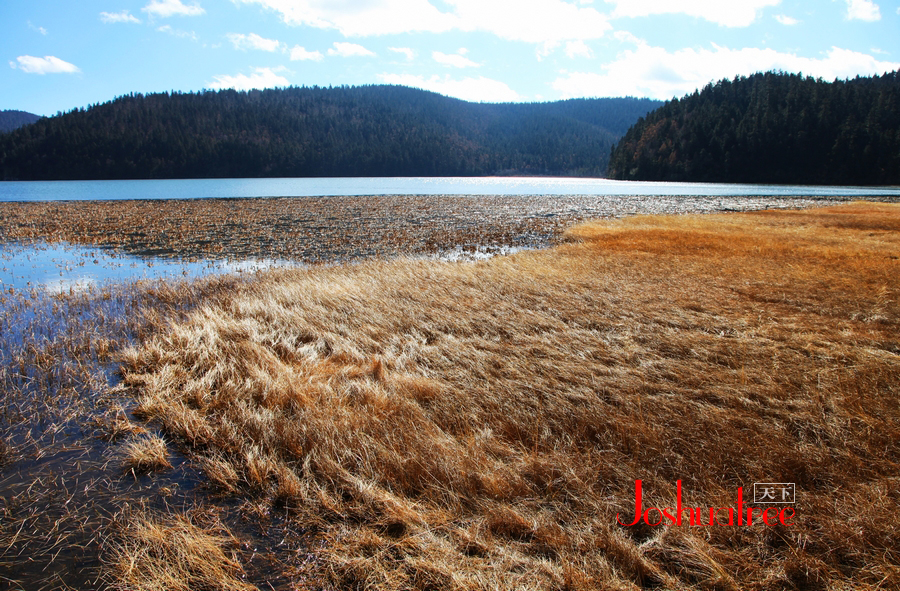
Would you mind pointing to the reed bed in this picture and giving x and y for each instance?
(63, 422)
(428, 425)
(333, 229)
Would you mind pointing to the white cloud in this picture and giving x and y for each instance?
(44, 65)
(786, 20)
(864, 10)
(118, 17)
(454, 60)
(545, 49)
(361, 17)
(349, 50)
(177, 33)
(301, 54)
(479, 89)
(167, 8)
(253, 41)
(657, 73)
(40, 30)
(260, 78)
(626, 37)
(733, 13)
(533, 21)
(409, 53)
(578, 49)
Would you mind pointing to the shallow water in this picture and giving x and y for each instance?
(326, 187)
(62, 246)
(63, 267)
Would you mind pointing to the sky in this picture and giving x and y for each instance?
(56, 56)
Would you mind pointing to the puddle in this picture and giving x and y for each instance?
(476, 253)
(66, 268)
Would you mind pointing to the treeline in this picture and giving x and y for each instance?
(312, 131)
(770, 128)
(10, 120)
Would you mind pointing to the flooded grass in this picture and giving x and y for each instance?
(62, 420)
(423, 424)
(335, 229)
(63, 267)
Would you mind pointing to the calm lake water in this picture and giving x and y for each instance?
(325, 187)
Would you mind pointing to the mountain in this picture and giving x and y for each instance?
(10, 120)
(770, 128)
(312, 131)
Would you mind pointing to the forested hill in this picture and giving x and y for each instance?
(770, 128)
(10, 120)
(296, 132)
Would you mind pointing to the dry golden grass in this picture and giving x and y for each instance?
(479, 426)
(114, 424)
(145, 454)
(174, 554)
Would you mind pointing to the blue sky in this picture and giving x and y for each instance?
(61, 55)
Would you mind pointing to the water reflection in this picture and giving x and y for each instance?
(64, 267)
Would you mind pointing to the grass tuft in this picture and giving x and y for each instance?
(145, 454)
(174, 554)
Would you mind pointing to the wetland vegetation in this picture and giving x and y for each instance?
(412, 423)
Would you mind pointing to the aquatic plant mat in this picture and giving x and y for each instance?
(417, 424)
(427, 425)
(330, 229)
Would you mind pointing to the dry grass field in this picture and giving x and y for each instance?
(429, 425)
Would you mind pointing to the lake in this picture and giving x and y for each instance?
(325, 187)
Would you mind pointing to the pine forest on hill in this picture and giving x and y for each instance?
(770, 128)
(318, 132)
(11, 120)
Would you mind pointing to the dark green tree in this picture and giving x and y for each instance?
(312, 131)
(770, 128)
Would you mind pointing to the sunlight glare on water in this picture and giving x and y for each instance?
(326, 187)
